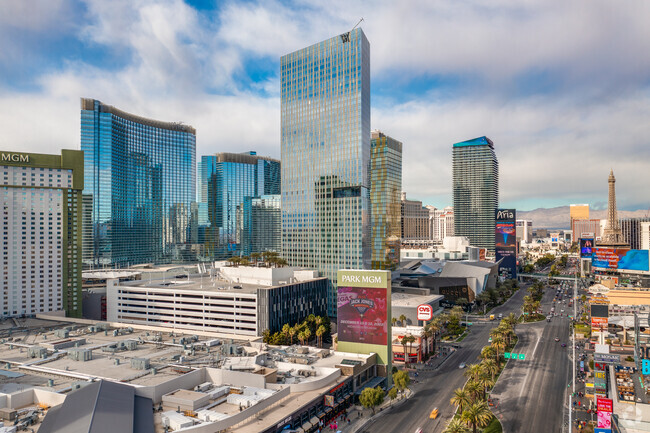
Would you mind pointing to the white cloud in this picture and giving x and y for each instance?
(561, 87)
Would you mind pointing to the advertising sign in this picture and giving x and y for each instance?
(599, 310)
(604, 407)
(425, 312)
(363, 313)
(481, 254)
(505, 239)
(621, 259)
(598, 323)
(586, 247)
(610, 358)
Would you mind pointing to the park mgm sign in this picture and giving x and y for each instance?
(363, 315)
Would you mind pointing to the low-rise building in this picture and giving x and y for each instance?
(237, 300)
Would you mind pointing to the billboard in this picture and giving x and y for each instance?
(505, 241)
(604, 407)
(586, 247)
(364, 313)
(620, 259)
(599, 310)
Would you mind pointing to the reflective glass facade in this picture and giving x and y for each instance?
(476, 191)
(140, 182)
(226, 182)
(385, 193)
(325, 126)
(259, 224)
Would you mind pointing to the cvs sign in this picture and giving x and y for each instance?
(425, 312)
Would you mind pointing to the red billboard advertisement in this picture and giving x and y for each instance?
(598, 322)
(605, 407)
(362, 315)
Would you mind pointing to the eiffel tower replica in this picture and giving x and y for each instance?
(612, 235)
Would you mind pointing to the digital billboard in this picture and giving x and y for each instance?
(620, 259)
(599, 310)
(604, 407)
(505, 241)
(362, 315)
(586, 247)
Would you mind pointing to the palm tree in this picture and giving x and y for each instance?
(477, 415)
(393, 321)
(319, 335)
(301, 338)
(498, 343)
(487, 352)
(402, 320)
(486, 383)
(490, 367)
(307, 333)
(474, 389)
(460, 398)
(473, 371)
(292, 333)
(455, 426)
(256, 257)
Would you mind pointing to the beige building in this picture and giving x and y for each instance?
(415, 222)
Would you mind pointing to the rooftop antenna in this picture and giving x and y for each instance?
(357, 24)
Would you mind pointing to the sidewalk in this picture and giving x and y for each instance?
(358, 416)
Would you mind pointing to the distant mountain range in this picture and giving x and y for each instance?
(558, 217)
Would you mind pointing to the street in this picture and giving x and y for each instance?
(530, 394)
(435, 389)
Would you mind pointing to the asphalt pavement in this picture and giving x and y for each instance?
(435, 388)
(530, 395)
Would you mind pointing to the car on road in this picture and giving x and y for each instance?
(462, 365)
(563, 344)
(500, 315)
(557, 338)
(418, 430)
(434, 413)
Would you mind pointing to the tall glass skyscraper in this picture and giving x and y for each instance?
(385, 194)
(139, 186)
(226, 181)
(476, 191)
(325, 124)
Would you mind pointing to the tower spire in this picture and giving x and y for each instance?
(612, 235)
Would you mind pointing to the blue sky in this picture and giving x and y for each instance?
(562, 88)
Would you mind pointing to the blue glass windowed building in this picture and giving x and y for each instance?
(325, 127)
(228, 185)
(139, 187)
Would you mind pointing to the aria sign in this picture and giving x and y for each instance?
(425, 312)
(15, 157)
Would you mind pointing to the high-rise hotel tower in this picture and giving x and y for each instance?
(476, 191)
(139, 188)
(325, 127)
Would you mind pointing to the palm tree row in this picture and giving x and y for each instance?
(471, 400)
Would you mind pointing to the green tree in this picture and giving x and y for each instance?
(490, 367)
(392, 394)
(372, 397)
(402, 320)
(319, 335)
(477, 415)
(401, 380)
(292, 333)
(393, 321)
(460, 398)
(456, 426)
(408, 339)
(473, 371)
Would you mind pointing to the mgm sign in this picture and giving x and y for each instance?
(15, 157)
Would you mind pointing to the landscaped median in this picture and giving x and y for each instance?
(472, 401)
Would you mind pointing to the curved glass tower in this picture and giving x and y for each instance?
(325, 117)
(476, 191)
(139, 187)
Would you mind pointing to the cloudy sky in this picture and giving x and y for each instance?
(561, 87)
